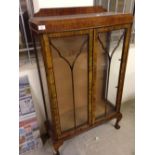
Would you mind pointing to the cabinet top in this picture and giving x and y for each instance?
(65, 19)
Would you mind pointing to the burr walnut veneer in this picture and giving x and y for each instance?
(85, 53)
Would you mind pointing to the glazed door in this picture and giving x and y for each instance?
(110, 56)
(69, 55)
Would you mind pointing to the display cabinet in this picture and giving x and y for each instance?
(85, 52)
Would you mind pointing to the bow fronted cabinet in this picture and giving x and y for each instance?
(85, 52)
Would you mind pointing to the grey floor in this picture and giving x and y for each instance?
(102, 140)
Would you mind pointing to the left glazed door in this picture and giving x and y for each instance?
(71, 61)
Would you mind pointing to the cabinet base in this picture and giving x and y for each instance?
(57, 144)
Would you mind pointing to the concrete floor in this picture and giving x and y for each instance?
(109, 142)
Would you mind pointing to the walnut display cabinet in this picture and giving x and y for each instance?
(85, 52)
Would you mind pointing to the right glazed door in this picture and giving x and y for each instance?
(108, 49)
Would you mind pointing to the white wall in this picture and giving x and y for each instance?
(60, 3)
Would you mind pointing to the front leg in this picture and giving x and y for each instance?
(119, 117)
(56, 146)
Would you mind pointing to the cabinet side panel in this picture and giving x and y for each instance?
(123, 66)
(51, 85)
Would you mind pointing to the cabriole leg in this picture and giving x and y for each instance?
(56, 147)
(119, 117)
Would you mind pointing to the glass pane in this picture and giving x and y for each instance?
(81, 86)
(102, 65)
(70, 70)
(108, 64)
(116, 45)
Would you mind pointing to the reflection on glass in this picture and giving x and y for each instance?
(116, 45)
